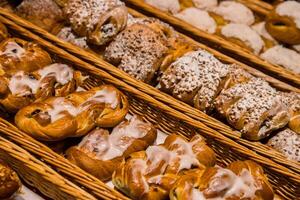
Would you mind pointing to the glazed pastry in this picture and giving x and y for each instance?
(283, 23)
(292, 102)
(139, 50)
(297, 48)
(150, 174)
(232, 12)
(101, 152)
(9, 181)
(254, 108)
(68, 35)
(195, 78)
(240, 180)
(244, 36)
(260, 28)
(192, 16)
(288, 143)
(205, 4)
(172, 6)
(17, 54)
(3, 32)
(279, 55)
(23, 88)
(57, 118)
(43, 13)
(98, 20)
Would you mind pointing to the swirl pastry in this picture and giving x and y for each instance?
(150, 174)
(240, 180)
(57, 118)
(195, 78)
(98, 20)
(283, 23)
(101, 152)
(139, 50)
(9, 181)
(288, 143)
(23, 88)
(44, 13)
(19, 55)
(254, 108)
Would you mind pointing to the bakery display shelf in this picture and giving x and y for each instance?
(38, 175)
(218, 43)
(227, 131)
(285, 181)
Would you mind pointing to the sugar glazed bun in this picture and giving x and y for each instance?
(9, 181)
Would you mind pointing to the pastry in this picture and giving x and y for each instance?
(172, 6)
(9, 181)
(244, 36)
(283, 23)
(205, 4)
(23, 88)
(195, 78)
(240, 180)
(68, 35)
(17, 54)
(260, 28)
(138, 50)
(288, 143)
(287, 58)
(101, 152)
(98, 20)
(150, 174)
(254, 108)
(43, 13)
(57, 118)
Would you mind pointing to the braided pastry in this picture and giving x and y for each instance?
(101, 152)
(19, 55)
(98, 20)
(150, 174)
(44, 13)
(24, 88)
(9, 181)
(240, 180)
(254, 108)
(57, 118)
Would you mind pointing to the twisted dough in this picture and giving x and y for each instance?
(151, 174)
(101, 152)
(19, 55)
(57, 118)
(240, 180)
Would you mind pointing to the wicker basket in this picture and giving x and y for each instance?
(258, 6)
(37, 174)
(218, 42)
(285, 181)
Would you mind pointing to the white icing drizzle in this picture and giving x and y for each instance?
(262, 31)
(242, 185)
(105, 96)
(12, 49)
(59, 107)
(68, 35)
(245, 34)
(172, 6)
(285, 57)
(21, 82)
(199, 18)
(290, 9)
(107, 147)
(234, 12)
(205, 4)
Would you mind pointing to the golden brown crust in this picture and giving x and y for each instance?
(103, 162)
(3, 32)
(19, 55)
(9, 181)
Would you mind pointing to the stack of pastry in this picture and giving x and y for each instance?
(276, 39)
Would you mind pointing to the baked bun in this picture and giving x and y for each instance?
(283, 23)
(57, 118)
(287, 142)
(9, 181)
(195, 78)
(19, 55)
(139, 49)
(101, 152)
(99, 20)
(240, 180)
(43, 13)
(254, 108)
(23, 88)
(150, 174)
